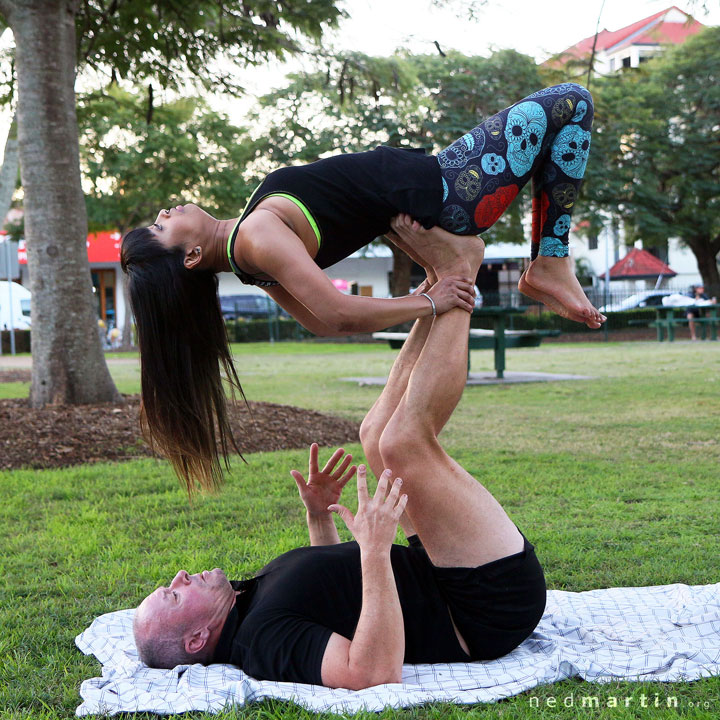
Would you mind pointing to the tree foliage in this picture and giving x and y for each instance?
(167, 40)
(132, 167)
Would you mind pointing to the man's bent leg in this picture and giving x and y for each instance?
(458, 520)
(380, 413)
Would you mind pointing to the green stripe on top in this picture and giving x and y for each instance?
(305, 211)
(234, 267)
(287, 196)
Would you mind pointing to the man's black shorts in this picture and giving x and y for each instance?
(497, 605)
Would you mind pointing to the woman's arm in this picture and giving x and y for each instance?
(273, 249)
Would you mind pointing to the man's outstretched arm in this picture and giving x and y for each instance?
(322, 489)
(375, 654)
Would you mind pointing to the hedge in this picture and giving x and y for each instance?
(22, 341)
(545, 320)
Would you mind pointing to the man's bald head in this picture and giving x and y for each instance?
(181, 623)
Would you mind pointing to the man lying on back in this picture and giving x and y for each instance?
(467, 587)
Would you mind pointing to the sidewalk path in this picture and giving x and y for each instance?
(13, 362)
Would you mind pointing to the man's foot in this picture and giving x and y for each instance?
(448, 254)
(552, 281)
(395, 239)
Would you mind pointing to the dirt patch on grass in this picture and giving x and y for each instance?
(11, 376)
(77, 434)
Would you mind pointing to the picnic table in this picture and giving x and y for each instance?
(666, 320)
(498, 339)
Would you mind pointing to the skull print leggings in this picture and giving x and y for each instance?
(545, 137)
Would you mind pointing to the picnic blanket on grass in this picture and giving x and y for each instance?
(661, 633)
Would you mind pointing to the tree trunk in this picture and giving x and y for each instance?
(9, 171)
(402, 267)
(68, 362)
(706, 253)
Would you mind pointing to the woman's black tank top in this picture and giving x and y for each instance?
(351, 198)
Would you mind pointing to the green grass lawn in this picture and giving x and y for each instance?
(613, 479)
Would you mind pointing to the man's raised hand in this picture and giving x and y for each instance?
(323, 487)
(374, 526)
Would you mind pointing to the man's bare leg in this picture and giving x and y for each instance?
(458, 520)
(382, 410)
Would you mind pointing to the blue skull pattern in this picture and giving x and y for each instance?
(454, 219)
(570, 150)
(553, 247)
(524, 131)
(580, 112)
(465, 148)
(562, 225)
(492, 164)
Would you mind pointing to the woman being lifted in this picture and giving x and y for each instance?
(302, 219)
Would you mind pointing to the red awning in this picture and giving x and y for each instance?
(102, 247)
(640, 264)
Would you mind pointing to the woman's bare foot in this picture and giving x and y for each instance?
(526, 289)
(552, 281)
(448, 254)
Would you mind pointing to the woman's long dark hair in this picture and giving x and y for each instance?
(183, 345)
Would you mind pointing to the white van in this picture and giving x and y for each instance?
(17, 316)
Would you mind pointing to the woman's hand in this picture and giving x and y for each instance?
(452, 292)
(323, 487)
(374, 526)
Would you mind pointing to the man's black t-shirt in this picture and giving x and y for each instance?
(281, 624)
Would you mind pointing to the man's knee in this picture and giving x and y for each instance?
(401, 441)
(370, 432)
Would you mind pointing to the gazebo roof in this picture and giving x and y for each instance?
(639, 264)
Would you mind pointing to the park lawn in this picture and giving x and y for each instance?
(613, 479)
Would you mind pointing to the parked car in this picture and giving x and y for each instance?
(645, 298)
(17, 314)
(249, 307)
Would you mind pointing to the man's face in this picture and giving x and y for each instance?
(191, 601)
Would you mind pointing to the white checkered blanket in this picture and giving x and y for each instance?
(666, 633)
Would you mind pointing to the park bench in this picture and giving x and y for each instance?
(498, 339)
(666, 321)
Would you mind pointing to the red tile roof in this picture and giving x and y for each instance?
(656, 32)
(640, 264)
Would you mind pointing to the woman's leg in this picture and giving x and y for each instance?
(546, 137)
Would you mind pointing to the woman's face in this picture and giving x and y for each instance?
(182, 226)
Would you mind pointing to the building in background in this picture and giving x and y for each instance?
(632, 44)
(628, 47)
